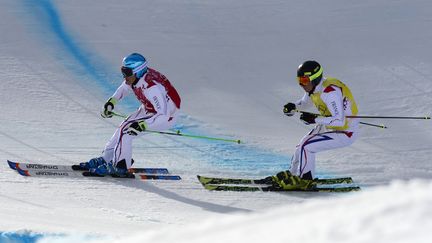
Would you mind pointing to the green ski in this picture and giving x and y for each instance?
(271, 188)
(266, 181)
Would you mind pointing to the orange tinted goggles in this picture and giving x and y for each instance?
(303, 80)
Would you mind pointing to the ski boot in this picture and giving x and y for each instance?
(93, 163)
(287, 181)
(109, 169)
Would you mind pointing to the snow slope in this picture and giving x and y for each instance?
(234, 64)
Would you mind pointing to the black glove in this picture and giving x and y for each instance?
(136, 127)
(289, 108)
(108, 107)
(308, 118)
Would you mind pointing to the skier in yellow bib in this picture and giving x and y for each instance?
(333, 129)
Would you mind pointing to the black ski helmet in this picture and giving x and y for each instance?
(312, 70)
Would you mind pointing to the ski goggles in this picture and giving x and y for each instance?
(309, 77)
(303, 80)
(127, 72)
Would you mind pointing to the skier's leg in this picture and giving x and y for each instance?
(317, 143)
(295, 160)
(108, 152)
(122, 152)
(123, 149)
(161, 125)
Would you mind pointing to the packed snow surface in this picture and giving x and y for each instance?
(234, 64)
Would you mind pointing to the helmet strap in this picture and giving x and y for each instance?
(313, 90)
(136, 81)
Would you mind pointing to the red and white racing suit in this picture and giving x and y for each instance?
(159, 108)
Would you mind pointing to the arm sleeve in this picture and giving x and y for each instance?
(304, 102)
(334, 102)
(157, 98)
(121, 91)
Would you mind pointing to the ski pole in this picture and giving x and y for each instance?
(363, 123)
(381, 117)
(178, 133)
(374, 125)
(393, 117)
(117, 114)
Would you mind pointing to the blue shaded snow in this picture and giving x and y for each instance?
(74, 55)
(24, 236)
(246, 159)
(19, 237)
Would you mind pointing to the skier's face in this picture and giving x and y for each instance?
(130, 80)
(128, 75)
(307, 87)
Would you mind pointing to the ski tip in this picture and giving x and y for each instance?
(22, 172)
(200, 179)
(211, 187)
(203, 180)
(12, 164)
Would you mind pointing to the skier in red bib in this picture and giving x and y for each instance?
(160, 105)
